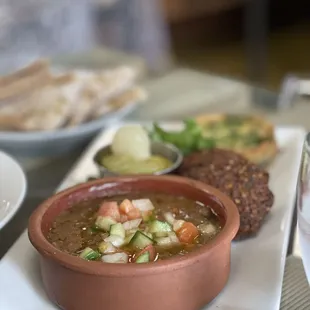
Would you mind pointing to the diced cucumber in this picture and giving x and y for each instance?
(161, 234)
(173, 237)
(128, 238)
(148, 216)
(89, 254)
(117, 230)
(170, 240)
(159, 226)
(149, 235)
(140, 240)
(104, 222)
(143, 258)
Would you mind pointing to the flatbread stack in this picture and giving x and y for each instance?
(34, 98)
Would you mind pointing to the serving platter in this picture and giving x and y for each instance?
(257, 264)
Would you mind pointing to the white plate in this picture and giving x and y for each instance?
(12, 188)
(257, 264)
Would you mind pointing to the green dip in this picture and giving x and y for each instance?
(123, 164)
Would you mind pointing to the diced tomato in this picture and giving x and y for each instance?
(151, 249)
(187, 233)
(124, 218)
(134, 214)
(126, 206)
(110, 208)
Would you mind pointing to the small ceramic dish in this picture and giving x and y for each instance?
(185, 282)
(166, 150)
(12, 189)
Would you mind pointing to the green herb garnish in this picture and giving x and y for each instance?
(188, 140)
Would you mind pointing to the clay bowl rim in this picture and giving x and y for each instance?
(47, 250)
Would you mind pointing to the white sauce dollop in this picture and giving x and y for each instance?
(133, 141)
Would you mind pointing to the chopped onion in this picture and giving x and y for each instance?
(131, 231)
(178, 225)
(169, 217)
(143, 204)
(207, 228)
(132, 224)
(133, 141)
(115, 240)
(106, 248)
(117, 258)
(164, 241)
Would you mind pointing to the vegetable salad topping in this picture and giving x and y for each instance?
(133, 229)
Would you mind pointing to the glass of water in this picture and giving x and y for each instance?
(303, 203)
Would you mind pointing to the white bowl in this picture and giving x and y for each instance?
(58, 142)
(13, 187)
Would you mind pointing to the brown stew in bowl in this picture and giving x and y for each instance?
(133, 228)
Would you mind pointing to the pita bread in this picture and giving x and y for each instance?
(33, 98)
(96, 89)
(47, 108)
(25, 80)
(132, 95)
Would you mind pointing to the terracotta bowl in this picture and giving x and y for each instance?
(181, 283)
